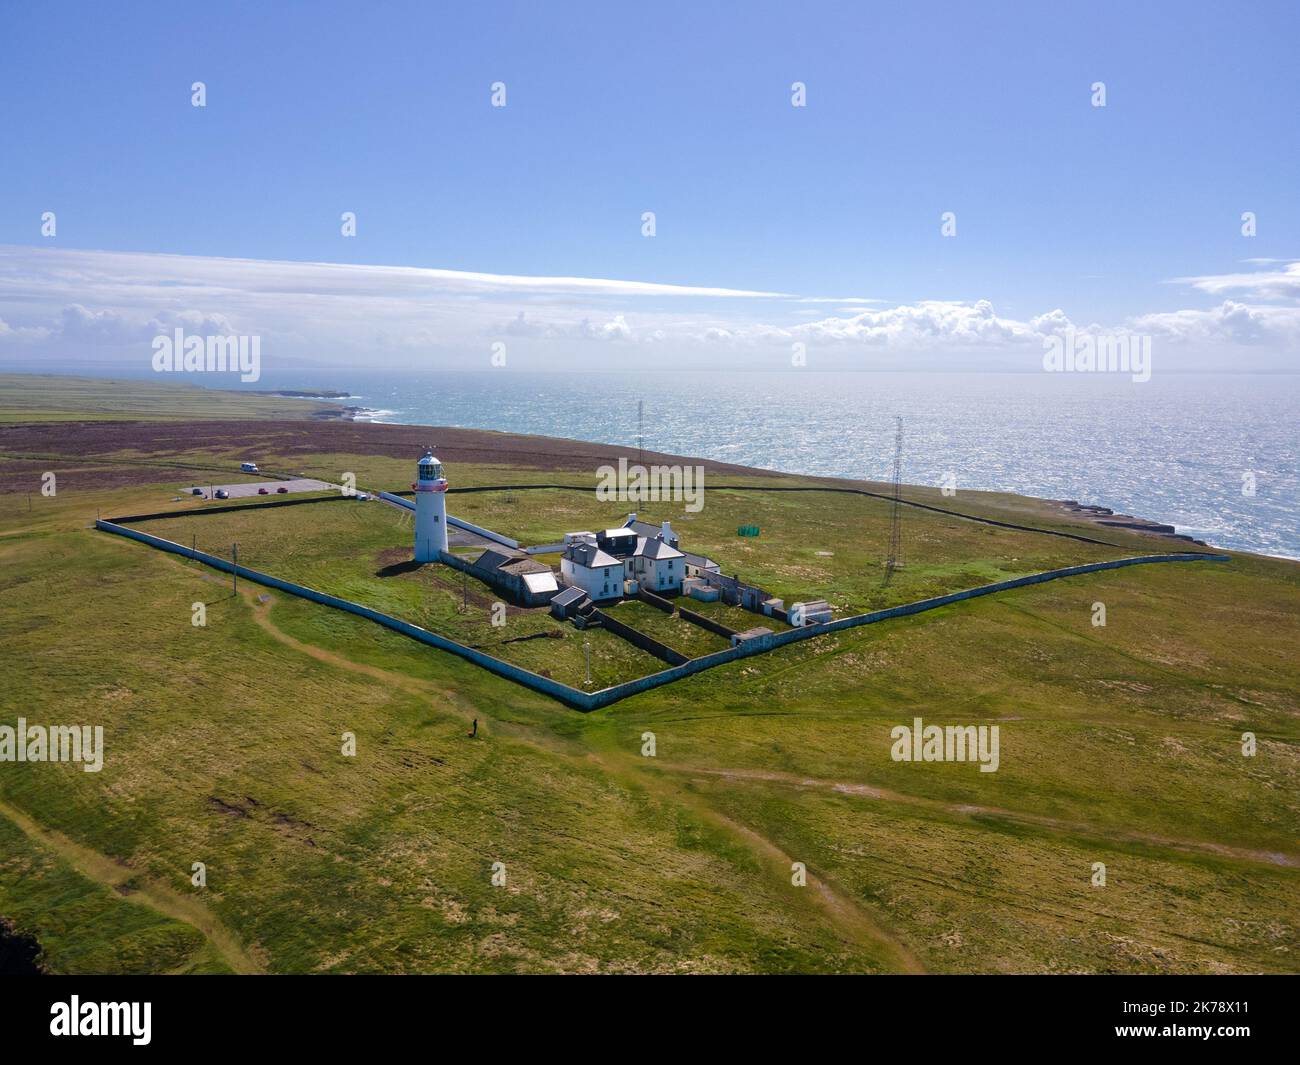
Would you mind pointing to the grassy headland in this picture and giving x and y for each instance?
(1121, 744)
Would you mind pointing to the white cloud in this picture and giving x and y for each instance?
(923, 324)
(1281, 284)
(614, 329)
(27, 333)
(1229, 323)
(73, 303)
(521, 325)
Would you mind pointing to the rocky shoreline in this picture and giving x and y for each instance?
(334, 412)
(300, 393)
(1105, 516)
(341, 414)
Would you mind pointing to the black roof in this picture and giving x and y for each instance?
(490, 560)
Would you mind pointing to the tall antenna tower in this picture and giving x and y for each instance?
(896, 508)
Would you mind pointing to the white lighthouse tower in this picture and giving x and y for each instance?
(430, 509)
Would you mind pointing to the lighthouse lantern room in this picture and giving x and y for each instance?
(430, 509)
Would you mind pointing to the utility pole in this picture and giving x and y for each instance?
(586, 646)
(464, 591)
(234, 573)
(640, 431)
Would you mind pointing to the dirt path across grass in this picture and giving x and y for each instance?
(1073, 828)
(848, 918)
(117, 875)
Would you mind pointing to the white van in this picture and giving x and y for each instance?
(248, 467)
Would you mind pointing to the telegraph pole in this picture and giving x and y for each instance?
(234, 573)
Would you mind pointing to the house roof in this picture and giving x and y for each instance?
(649, 547)
(490, 560)
(571, 594)
(523, 566)
(699, 560)
(540, 582)
(644, 528)
(589, 556)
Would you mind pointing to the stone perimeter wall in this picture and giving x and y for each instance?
(587, 701)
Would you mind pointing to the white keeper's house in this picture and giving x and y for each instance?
(617, 562)
(598, 573)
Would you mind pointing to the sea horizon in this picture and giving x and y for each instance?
(1181, 449)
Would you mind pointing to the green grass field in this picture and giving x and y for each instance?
(357, 550)
(691, 640)
(1120, 745)
(27, 398)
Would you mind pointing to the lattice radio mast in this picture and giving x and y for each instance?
(896, 508)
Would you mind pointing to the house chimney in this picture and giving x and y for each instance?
(667, 535)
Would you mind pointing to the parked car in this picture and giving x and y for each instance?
(222, 494)
(196, 491)
(281, 490)
(263, 492)
(248, 467)
(363, 496)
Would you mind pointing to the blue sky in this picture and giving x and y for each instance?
(613, 110)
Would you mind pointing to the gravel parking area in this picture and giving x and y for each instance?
(250, 488)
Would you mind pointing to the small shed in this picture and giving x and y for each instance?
(568, 602)
(531, 581)
(527, 581)
(813, 612)
(699, 589)
(539, 587)
(750, 634)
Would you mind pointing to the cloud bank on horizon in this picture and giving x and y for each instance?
(76, 309)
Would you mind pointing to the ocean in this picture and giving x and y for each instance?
(1184, 449)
